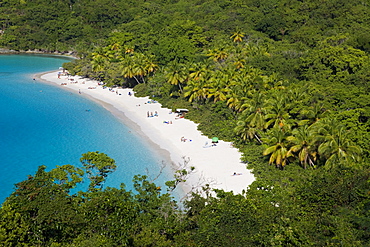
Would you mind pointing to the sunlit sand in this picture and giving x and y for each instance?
(218, 165)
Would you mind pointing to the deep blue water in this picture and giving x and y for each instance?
(41, 124)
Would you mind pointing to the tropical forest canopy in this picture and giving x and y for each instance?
(286, 81)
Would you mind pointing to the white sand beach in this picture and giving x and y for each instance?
(214, 165)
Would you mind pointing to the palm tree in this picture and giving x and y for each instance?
(113, 51)
(199, 70)
(240, 91)
(218, 55)
(197, 90)
(277, 111)
(256, 110)
(176, 74)
(278, 150)
(234, 101)
(128, 68)
(247, 131)
(313, 113)
(99, 62)
(252, 119)
(239, 62)
(304, 140)
(219, 86)
(237, 36)
(140, 65)
(336, 147)
(150, 65)
(129, 50)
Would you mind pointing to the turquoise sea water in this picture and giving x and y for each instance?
(41, 124)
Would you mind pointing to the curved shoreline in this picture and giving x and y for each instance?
(214, 166)
(118, 114)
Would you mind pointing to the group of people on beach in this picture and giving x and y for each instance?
(151, 114)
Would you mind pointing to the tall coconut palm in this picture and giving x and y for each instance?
(277, 111)
(239, 62)
(240, 92)
(140, 66)
(304, 140)
(237, 36)
(114, 52)
(198, 71)
(234, 101)
(176, 74)
(251, 122)
(150, 65)
(312, 113)
(255, 110)
(197, 90)
(247, 131)
(99, 62)
(219, 86)
(278, 150)
(337, 148)
(218, 55)
(128, 68)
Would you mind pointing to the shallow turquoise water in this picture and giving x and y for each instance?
(41, 124)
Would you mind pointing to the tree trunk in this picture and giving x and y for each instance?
(258, 139)
(138, 82)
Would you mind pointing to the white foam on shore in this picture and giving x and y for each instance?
(214, 165)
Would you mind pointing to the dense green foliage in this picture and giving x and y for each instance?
(310, 209)
(286, 81)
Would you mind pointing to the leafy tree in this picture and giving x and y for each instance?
(97, 166)
(14, 229)
(67, 176)
(333, 60)
(44, 208)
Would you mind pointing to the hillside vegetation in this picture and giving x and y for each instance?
(286, 81)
